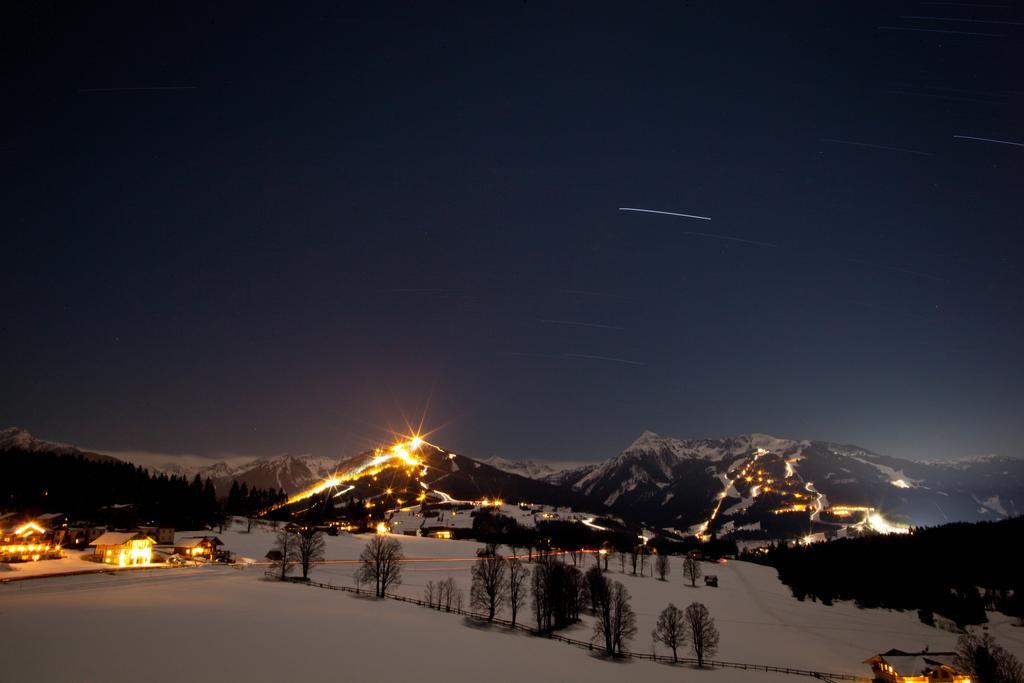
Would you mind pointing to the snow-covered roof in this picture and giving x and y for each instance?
(915, 663)
(194, 541)
(118, 538)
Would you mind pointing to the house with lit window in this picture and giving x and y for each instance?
(198, 546)
(897, 666)
(443, 532)
(27, 542)
(77, 536)
(163, 535)
(123, 548)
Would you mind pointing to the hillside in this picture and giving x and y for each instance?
(759, 621)
(14, 439)
(758, 485)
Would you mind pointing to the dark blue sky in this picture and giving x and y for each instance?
(233, 229)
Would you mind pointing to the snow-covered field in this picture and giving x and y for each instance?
(231, 624)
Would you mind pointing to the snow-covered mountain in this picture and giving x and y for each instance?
(16, 439)
(524, 468)
(288, 472)
(747, 485)
(685, 484)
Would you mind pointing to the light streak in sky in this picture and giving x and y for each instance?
(142, 88)
(998, 142)
(939, 30)
(604, 358)
(895, 269)
(578, 323)
(730, 238)
(869, 145)
(665, 213)
(968, 21)
(966, 4)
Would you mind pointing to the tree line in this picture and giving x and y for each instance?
(115, 493)
(936, 570)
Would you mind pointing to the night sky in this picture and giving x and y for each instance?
(229, 229)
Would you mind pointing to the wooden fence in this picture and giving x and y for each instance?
(586, 644)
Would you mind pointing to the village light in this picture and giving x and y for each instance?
(28, 528)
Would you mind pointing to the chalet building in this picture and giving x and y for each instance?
(443, 532)
(123, 548)
(27, 542)
(52, 520)
(163, 535)
(897, 666)
(198, 546)
(77, 536)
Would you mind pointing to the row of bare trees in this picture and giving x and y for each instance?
(292, 548)
(443, 595)
(616, 621)
(694, 624)
(559, 591)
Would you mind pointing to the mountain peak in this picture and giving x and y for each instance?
(645, 441)
(21, 439)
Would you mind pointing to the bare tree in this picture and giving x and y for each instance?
(616, 621)
(249, 523)
(577, 592)
(622, 562)
(449, 594)
(670, 630)
(597, 586)
(284, 555)
(634, 557)
(431, 594)
(623, 617)
(644, 552)
(517, 574)
(703, 634)
(987, 661)
(1010, 668)
(539, 591)
(224, 521)
(381, 564)
(311, 549)
(490, 583)
(601, 597)
(691, 569)
(663, 566)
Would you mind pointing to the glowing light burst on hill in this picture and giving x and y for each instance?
(401, 454)
(881, 525)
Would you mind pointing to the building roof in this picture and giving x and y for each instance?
(119, 538)
(915, 663)
(193, 541)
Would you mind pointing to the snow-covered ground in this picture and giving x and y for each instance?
(73, 562)
(239, 626)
